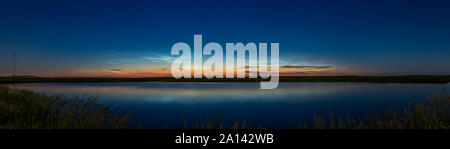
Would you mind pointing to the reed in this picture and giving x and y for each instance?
(433, 113)
(23, 109)
(430, 114)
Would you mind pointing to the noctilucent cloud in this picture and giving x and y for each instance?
(106, 38)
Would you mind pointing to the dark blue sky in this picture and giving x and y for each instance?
(133, 38)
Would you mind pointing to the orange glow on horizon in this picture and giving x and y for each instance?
(162, 72)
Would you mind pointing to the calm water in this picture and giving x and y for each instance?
(168, 105)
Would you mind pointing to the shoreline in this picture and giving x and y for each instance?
(368, 79)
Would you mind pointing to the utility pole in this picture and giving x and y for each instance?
(14, 65)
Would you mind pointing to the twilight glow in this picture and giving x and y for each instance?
(133, 38)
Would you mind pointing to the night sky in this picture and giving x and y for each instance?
(133, 38)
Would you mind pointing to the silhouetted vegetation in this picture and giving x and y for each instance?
(29, 110)
(374, 79)
(432, 114)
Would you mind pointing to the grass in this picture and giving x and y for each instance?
(374, 79)
(23, 109)
(432, 114)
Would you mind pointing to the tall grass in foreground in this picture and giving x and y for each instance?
(29, 110)
(431, 114)
(434, 113)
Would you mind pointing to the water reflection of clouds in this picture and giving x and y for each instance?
(193, 92)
